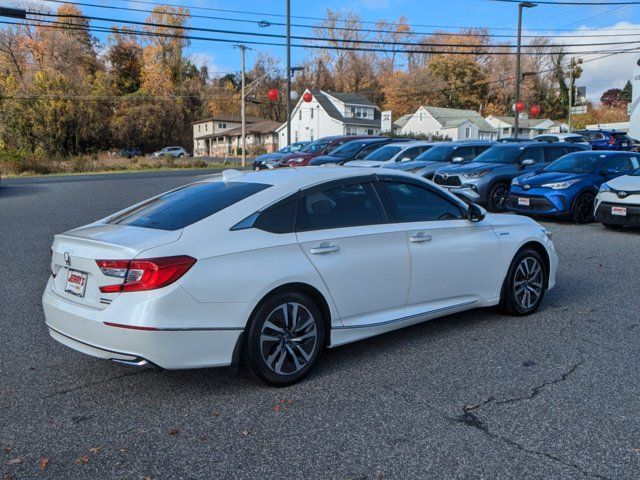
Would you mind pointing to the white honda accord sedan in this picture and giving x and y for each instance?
(274, 266)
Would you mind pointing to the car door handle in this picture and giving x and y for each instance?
(420, 237)
(325, 248)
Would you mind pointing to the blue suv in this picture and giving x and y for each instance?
(607, 139)
(487, 178)
(568, 186)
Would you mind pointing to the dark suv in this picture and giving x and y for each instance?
(607, 139)
(486, 179)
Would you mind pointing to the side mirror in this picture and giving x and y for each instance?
(475, 213)
(457, 159)
(527, 162)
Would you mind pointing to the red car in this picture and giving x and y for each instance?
(322, 146)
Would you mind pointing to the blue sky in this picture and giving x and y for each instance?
(500, 17)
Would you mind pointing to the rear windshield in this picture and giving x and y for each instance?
(184, 206)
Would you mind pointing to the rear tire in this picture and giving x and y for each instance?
(285, 337)
(498, 195)
(583, 207)
(525, 285)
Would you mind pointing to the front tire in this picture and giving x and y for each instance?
(285, 337)
(498, 195)
(583, 206)
(612, 226)
(525, 285)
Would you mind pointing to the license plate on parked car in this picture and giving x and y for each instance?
(76, 283)
(619, 211)
(525, 202)
(625, 144)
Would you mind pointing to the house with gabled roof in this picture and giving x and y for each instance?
(331, 113)
(527, 127)
(451, 123)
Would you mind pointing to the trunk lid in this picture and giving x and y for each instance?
(74, 253)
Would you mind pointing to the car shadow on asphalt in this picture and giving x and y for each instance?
(9, 191)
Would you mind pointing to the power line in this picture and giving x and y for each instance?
(265, 14)
(70, 26)
(549, 2)
(324, 39)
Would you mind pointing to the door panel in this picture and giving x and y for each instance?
(365, 269)
(458, 262)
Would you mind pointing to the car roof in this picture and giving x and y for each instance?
(410, 143)
(607, 153)
(295, 178)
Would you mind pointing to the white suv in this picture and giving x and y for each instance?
(618, 202)
(176, 152)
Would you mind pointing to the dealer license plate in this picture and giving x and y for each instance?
(619, 211)
(525, 202)
(76, 283)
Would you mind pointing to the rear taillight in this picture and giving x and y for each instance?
(144, 274)
(612, 140)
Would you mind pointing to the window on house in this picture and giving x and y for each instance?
(311, 135)
(206, 127)
(353, 112)
(222, 125)
(198, 128)
(295, 136)
(311, 113)
(420, 117)
(467, 132)
(300, 114)
(505, 131)
(370, 132)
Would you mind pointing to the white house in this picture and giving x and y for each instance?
(331, 113)
(451, 123)
(208, 133)
(527, 127)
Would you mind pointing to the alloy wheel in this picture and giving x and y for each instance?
(528, 282)
(499, 199)
(584, 208)
(288, 338)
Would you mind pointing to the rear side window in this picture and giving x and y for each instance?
(417, 204)
(278, 219)
(180, 208)
(344, 206)
(553, 153)
(620, 163)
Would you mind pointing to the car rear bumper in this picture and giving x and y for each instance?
(83, 329)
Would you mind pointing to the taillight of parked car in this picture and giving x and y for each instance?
(612, 141)
(144, 274)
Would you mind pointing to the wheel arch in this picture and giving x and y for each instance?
(542, 251)
(312, 292)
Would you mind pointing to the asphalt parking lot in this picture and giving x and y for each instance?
(473, 395)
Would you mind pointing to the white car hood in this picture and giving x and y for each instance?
(363, 163)
(626, 182)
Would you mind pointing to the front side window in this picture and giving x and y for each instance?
(618, 164)
(500, 154)
(339, 207)
(533, 153)
(465, 153)
(418, 204)
(184, 206)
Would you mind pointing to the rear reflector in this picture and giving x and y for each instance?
(144, 274)
(130, 327)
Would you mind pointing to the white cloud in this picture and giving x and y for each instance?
(613, 71)
(199, 59)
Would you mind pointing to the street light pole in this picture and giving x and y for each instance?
(243, 105)
(521, 6)
(288, 72)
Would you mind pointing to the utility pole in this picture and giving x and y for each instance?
(521, 6)
(289, 73)
(243, 48)
(573, 71)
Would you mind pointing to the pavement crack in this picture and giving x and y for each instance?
(470, 419)
(534, 392)
(91, 384)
